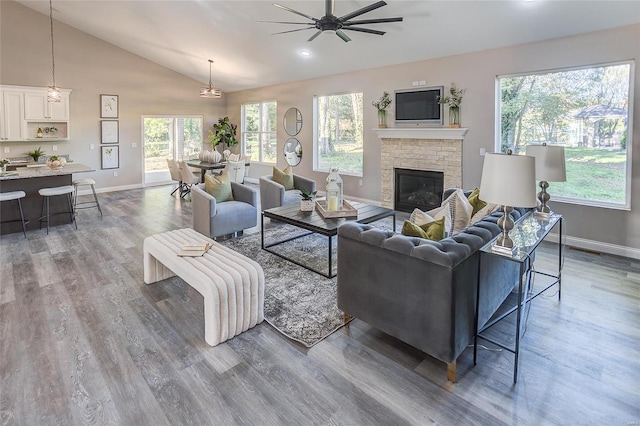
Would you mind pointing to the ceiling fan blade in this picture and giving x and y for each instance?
(292, 31)
(342, 35)
(363, 10)
(288, 9)
(372, 21)
(314, 36)
(281, 22)
(328, 7)
(364, 30)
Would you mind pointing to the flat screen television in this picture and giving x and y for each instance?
(419, 107)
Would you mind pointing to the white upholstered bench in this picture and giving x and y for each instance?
(232, 285)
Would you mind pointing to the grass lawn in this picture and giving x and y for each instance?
(593, 174)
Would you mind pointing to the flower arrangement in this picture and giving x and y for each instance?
(454, 99)
(383, 103)
(55, 162)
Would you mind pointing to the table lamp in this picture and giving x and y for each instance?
(508, 180)
(550, 167)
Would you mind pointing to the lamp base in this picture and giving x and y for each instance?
(503, 250)
(543, 215)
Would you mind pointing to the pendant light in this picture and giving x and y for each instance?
(53, 92)
(210, 91)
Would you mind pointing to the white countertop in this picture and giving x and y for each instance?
(36, 172)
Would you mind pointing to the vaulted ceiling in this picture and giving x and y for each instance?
(183, 35)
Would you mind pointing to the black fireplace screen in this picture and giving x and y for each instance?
(417, 189)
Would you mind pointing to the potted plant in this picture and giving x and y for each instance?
(223, 132)
(453, 100)
(55, 162)
(36, 154)
(306, 203)
(382, 105)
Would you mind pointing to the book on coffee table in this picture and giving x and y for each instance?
(194, 250)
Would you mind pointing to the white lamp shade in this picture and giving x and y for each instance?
(550, 165)
(509, 180)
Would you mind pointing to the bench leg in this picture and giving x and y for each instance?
(155, 271)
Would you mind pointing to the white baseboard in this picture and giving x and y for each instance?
(597, 246)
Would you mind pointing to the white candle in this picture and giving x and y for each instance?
(332, 204)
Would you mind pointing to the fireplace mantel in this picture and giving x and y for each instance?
(421, 133)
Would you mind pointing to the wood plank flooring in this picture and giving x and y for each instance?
(83, 341)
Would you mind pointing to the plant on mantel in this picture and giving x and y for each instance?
(454, 99)
(382, 104)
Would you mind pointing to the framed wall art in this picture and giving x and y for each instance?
(109, 131)
(110, 157)
(108, 106)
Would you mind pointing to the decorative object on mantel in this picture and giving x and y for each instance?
(307, 202)
(210, 91)
(454, 99)
(54, 162)
(53, 92)
(382, 105)
(223, 132)
(36, 154)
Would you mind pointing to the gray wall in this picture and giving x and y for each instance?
(90, 67)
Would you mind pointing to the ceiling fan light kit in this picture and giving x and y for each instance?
(210, 91)
(332, 24)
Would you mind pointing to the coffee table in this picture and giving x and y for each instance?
(314, 222)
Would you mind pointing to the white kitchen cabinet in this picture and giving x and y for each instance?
(37, 108)
(12, 125)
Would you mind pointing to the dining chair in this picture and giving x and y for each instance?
(235, 169)
(175, 175)
(188, 178)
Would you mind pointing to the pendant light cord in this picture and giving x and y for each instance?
(210, 82)
(53, 60)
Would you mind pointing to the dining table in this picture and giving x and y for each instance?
(205, 165)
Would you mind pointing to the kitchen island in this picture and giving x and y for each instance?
(30, 180)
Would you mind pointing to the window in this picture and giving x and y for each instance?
(338, 133)
(177, 137)
(259, 140)
(587, 111)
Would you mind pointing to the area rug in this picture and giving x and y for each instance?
(299, 303)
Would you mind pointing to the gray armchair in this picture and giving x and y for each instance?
(272, 194)
(214, 219)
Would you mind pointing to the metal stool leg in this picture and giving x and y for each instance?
(95, 197)
(48, 215)
(24, 224)
(72, 212)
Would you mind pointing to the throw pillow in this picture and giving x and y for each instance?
(219, 187)
(433, 231)
(283, 177)
(419, 217)
(476, 202)
(460, 210)
(488, 209)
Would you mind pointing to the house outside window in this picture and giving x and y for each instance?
(259, 141)
(338, 133)
(586, 110)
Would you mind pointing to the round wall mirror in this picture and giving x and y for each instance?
(293, 151)
(292, 121)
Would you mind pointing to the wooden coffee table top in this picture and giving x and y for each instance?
(313, 221)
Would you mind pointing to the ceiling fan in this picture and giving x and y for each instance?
(334, 24)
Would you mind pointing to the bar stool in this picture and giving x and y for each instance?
(16, 195)
(91, 204)
(47, 193)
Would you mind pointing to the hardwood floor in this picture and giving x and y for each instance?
(84, 341)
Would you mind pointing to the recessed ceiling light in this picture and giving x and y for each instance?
(305, 53)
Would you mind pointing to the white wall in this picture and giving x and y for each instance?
(476, 72)
(90, 67)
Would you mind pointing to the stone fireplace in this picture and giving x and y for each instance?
(428, 149)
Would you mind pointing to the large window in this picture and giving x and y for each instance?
(338, 133)
(259, 131)
(587, 111)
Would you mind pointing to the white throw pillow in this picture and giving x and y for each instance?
(460, 209)
(488, 209)
(418, 217)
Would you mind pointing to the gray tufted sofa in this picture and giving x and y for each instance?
(419, 291)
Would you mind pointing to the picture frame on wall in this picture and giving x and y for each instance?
(109, 131)
(108, 106)
(110, 157)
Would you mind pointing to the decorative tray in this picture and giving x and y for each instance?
(346, 211)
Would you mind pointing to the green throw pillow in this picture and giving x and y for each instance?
(219, 187)
(433, 231)
(476, 202)
(283, 177)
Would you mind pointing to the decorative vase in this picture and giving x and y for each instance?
(216, 157)
(3, 169)
(307, 205)
(226, 153)
(382, 118)
(454, 117)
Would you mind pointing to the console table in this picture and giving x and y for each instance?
(526, 235)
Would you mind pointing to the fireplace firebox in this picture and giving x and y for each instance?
(420, 189)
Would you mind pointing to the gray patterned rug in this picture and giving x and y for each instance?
(299, 303)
